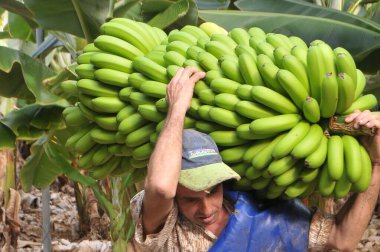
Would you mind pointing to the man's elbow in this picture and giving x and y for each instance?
(160, 189)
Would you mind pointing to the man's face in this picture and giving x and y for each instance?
(204, 207)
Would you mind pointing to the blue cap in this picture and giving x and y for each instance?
(202, 165)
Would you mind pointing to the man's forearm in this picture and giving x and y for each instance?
(165, 161)
(353, 218)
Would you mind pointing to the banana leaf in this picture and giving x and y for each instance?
(22, 76)
(31, 121)
(213, 5)
(7, 137)
(129, 9)
(19, 8)
(305, 9)
(171, 14)
(62, 16)
(48, 159)
(362, 43)
(19, 28)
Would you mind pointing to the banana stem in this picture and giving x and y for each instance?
(111, 7)
(354, 6)
(82, 22)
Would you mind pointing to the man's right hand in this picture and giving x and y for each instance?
(181, 87)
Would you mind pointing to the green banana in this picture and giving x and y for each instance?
(131, 123)
(112, 77)
(269, 73)
(342, 186)
(274, 124)
(174, 58)
(85, 71)
(226, 118)
(124, 113)
(309, 175)
(296, 189)
(297, 41)
(264, 157)
(227, 138)
(249, 70)
(154, 89)
(105, 169)
(329, 95)
(125, 33)
(309, 143)
(240, 36)
(208, 127)
(292, 138)
(183, 37)
(295, 66)
(110, 61)
(364, 102)
(290, 175)
(254, 149)
(273, 100)
(84, 143)
(106, 122)
(244, 92)
(141, 135)
(107, 104)
(143, 152)
(178, 46)
(226, 101)
(150, 113)
(346, 92)
(225, 40)
(240, 168)
(257, 32)
(117, 46)
(252, 173)
(207, 96)
(195, 31)
(157, 57)
(253, 110)
(231, 69)
(360, 83)
(301, 54)
(345, 63)
(325, 184)
(233, 154)
(75, 117)
(260, 183)
(335, 157)
(212, 75)
(102, 136)
(279, 166)
(136, 79)
(240, 49)
(279, 53)
(293, 87)
(101, 156)
(352, 158)
(84, 58)
(96, 88)
(318, 157)
(224, 85)
(137, 98)
(208, 61)
(151, 69)
(316, 71)
(365, 179)
(245, 132)
(311, 110)
(218, 49)
(277, 40)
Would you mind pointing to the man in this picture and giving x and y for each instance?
(184, 206)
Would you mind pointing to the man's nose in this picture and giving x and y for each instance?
(205, 207)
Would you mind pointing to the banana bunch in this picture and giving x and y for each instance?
(265, 101)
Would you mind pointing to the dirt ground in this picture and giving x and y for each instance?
(65, 225)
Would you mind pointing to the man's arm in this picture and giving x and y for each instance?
(352, 220)
(165, 162)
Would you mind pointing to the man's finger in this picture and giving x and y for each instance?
(352, 116)
(177, 76)
(197, 76)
